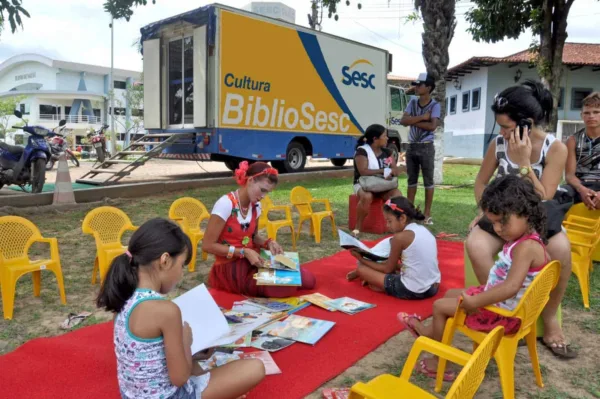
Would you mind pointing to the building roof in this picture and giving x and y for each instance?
(66, 65)
(575, 56)
(400, 78)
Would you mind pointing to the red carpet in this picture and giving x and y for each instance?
(81, 364)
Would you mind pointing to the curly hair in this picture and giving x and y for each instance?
(512, 195)
(404, 207)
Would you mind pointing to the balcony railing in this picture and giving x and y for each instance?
(72, 118)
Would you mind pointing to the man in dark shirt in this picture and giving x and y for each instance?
(423, 116)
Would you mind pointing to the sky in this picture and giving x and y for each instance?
(78, 31)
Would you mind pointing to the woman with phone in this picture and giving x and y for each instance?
(522, 148)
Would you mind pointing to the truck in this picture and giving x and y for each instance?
(241, 86)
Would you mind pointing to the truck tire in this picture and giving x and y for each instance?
(339, 162)
(295, 158)
(38, 175)
(395, 148)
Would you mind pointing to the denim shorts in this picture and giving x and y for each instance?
(420, 156)
(394, 286)
(193, 390)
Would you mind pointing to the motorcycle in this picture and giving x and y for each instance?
(59, 146)
(26, 165)
(98, 140)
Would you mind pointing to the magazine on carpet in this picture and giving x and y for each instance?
(381, 251)
(218, 359)
(319, 300)
(336, 393)
(301, 329)
(267, 343)
(285, 261)
(349, 305)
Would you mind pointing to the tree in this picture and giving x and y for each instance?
(7, 108)
(123, 8)
(316, 16)
(495, 20)
(12, 10)
(439, 22)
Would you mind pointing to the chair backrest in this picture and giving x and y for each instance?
(190, 209)
(265, 205)
(538, 294)
(300, 197)
(468, 381)
(16, 236)
(107, 224)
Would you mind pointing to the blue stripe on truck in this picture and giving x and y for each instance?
(313, 49)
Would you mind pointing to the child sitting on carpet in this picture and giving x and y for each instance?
(152, 345)
(519, 218)
(419, 277)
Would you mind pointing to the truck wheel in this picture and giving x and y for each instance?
(339, 162)
(395, 148)
(295, 158)
(232, 164)
(38, 177)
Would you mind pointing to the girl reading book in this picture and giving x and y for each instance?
(152, 344)
(414, 245)
(515, 209)
(232, 236)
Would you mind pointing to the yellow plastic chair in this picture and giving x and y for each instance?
(583, 245)
(190, 213)
(580, 210)
(273, 226)
(107, 224)
(301, 198)
(528, 310)
(465, 386)
(16, 237)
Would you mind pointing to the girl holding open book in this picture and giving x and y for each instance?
(153, 346)
(414, 245)
(232, 236)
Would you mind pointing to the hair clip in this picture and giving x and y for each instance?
(393, 207)
(500, 102)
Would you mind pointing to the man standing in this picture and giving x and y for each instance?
(583, 159)
(423, 117)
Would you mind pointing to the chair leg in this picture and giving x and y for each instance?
(531, 340)
(57, 270)
(583, 276)
(446, 340)
(95, 271)
(333, 227)
(37, 282)
(316, 223)
(192, 264)
(204, 255)
(8, 296)
(505, 359)
(293, 237)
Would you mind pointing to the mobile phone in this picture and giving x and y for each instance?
(522, 123)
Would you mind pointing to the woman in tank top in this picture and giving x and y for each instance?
(536, 156)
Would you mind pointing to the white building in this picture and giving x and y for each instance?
(473, 84)
(55, 90)
(272, 10)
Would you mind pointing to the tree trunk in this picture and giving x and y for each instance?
(439, 23)
(314, 17)
(553, 36)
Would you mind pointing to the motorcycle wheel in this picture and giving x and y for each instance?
(38, 175)
(73, 159)
(100, 154)
(50, 164)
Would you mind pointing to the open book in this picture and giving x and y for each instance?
(285, 261)
(381, 251)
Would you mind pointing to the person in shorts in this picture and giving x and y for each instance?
(423, 116)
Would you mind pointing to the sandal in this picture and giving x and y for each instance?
(74, 319)
(423, 369)
(355, 233)
(562, 351)
(406, 320)
(428, 221)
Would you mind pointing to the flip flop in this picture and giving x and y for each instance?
(74, 319)
(405, 320)
(423, 369)
(562, 351)
(428, 221)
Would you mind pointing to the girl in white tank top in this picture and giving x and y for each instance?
(412, 244)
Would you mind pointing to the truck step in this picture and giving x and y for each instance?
(114, 161)
(89, 181)
(132, 152)
(109, 171)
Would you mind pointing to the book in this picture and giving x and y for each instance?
(379, 252)
(319, 300)
(301, 329)
(349, 305)
(278, 277)
(285, 261)
(336, 393)
(270, 344)
(219, 359)
(264, 356)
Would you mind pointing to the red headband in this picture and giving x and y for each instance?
(394, 207)
(241, 173)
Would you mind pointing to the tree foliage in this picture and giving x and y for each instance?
(123, 8)
(12, 11)
(7, 108)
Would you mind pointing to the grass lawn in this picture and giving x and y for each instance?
(453, 209)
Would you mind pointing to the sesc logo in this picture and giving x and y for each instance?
(356, 77)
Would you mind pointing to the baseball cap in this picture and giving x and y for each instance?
(426, 79)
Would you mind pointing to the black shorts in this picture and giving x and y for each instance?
(555, 214)
(567, 193)
(395, 287)
(420, 156)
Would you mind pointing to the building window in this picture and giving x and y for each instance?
(475, 98)
(24, 108)
(119, 84)
(396, 99)
(137, 112)
(447, 106)
(561, 98)
(578, 94)
(97, 112)
(118, 111)
(49, 110)
(465, 101)
(452, 105)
